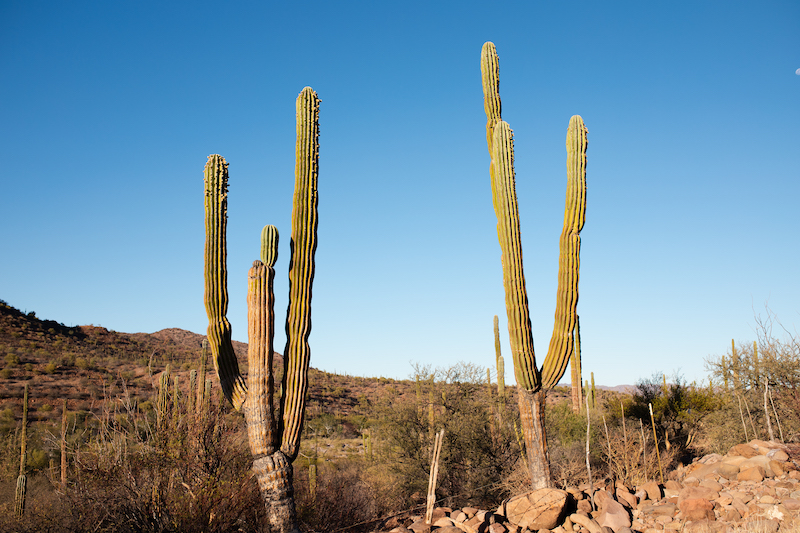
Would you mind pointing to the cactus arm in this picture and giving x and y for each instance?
(508, 233)
(261, 423)
(216, 281)
(303, 245)
(490, 78)
(561, 342)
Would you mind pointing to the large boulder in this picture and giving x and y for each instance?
(538, 509)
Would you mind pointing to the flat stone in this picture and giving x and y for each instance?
(791, 504)
(711, 484)
(664, 509)
(443, 521)
(497, 528)
(653, 490)
(614, 515)
(449, 529)
(728, 470)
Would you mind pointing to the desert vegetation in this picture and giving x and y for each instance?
(140, 456)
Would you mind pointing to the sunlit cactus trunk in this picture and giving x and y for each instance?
(532, 381)
(274, 438)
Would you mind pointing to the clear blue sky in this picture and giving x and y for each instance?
(109, 110)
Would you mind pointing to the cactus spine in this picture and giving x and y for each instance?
(530, 378)
(274, 437)
(22, 479)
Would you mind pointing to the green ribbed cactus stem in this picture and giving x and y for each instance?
(176, 406)
(575, 369)
(22, 480)
(216, 281)
(269, 245)
(431, 417)
(561, 345)
(19, 495)
(303, 245)
(162, 400)
(192, 390)
(64, 446)
(593, 394)
(499, 363)
(312, 481)
(490, 79)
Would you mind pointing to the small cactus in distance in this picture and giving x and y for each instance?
(22, 479)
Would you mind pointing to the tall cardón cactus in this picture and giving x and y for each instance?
(274, 437)
(531, 380)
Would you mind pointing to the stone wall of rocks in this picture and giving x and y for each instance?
(755, 485)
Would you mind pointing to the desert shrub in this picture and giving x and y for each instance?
(11, 359)
(479, 447)
(5, 373)
(50, 368)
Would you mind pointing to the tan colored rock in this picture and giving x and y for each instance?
(653, 490)
(728, 470)
(420, 527)
(443, 521)
(692, 493)
(627, 499)
(459, 516)
(664, 509)
(777, 468)
(584, 506)
(754, 473)
(697, 509)
(586, 522)
(711, 484)
(438, 512)
(744, 450)
(497, 528)
(614, 515)
(778, 455)
(538, 509)
(791, 504)
(448, 529)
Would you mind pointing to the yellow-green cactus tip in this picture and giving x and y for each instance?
(269, 245)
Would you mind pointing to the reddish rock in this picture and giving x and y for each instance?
(697, 509)
(614, 515)
(754, 473)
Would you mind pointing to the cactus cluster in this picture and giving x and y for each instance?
(274, 437)
(530, 378)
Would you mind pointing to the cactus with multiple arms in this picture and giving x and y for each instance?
(531, 380)
(274, 437)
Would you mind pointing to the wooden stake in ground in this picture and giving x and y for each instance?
(437, 449)
(644, 449)
(655, 439)
(588, 424)
(741, 413)
(766, 412)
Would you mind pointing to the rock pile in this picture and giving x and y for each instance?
(754, 485)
